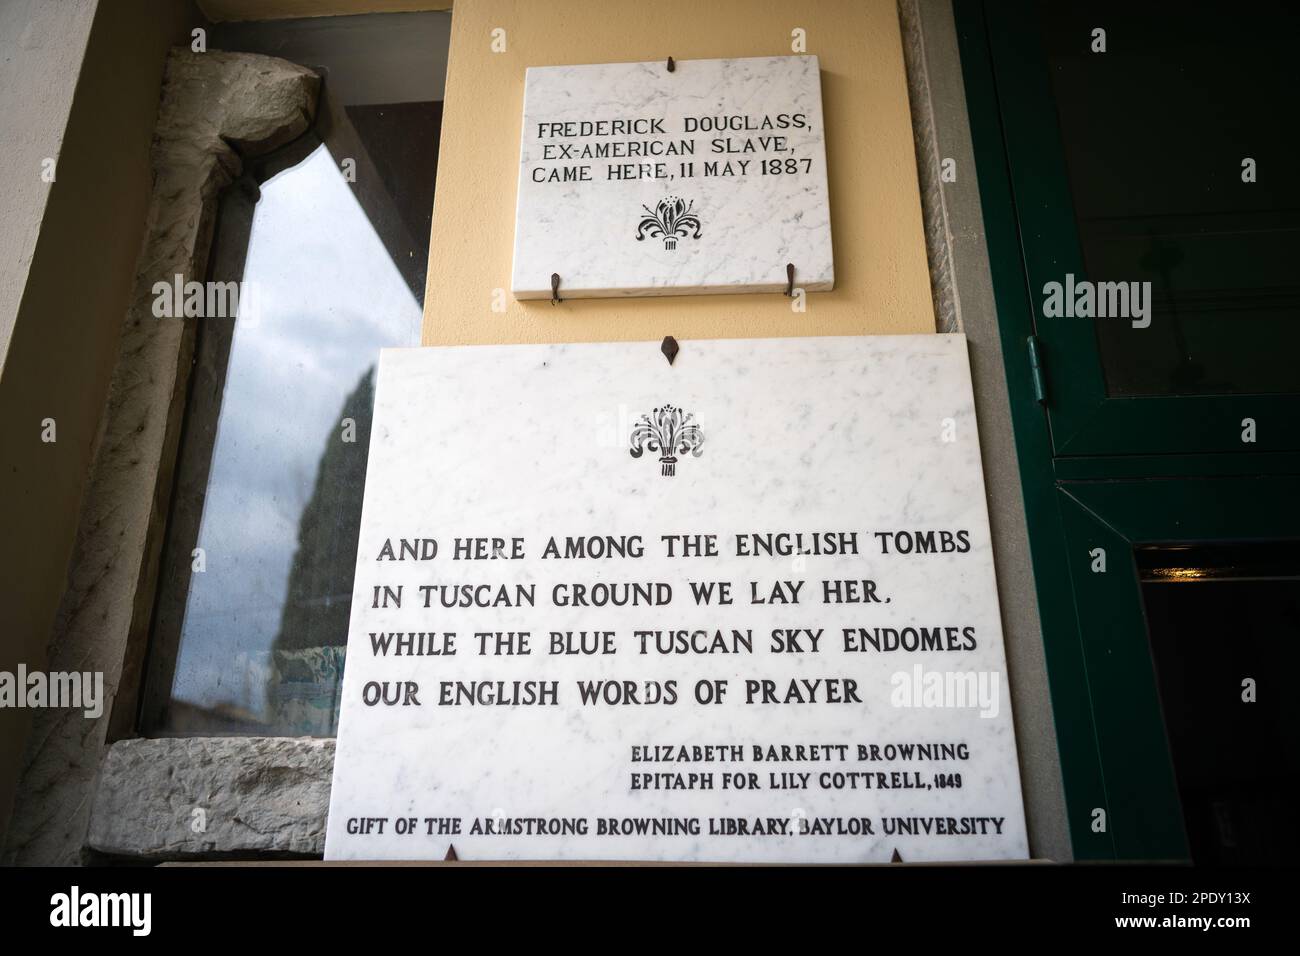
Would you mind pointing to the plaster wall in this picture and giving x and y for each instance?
(881, 275)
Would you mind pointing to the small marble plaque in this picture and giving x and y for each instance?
(740, 608)
(634, 180)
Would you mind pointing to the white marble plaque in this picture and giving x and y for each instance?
(758, 598)
(634, 180)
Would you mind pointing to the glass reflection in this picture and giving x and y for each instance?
(264, 623)
(330, 238)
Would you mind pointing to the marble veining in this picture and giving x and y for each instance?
(811, 435)
(626, 210)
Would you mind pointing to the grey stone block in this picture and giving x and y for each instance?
(185, 798)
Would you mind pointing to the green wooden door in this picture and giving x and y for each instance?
(1162, 166)
(1144, 437)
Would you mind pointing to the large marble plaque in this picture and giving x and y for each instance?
(634, 180)
(757, 588)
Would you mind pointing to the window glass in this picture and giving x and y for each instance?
(329, 240)
(1179, 141)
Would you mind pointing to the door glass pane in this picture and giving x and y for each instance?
(1155, 131)
(1224, 623)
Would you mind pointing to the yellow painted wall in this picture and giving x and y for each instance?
(881, 278)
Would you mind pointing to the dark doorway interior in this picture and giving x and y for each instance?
(1219, 616)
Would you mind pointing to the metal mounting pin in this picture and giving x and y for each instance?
(670, 348)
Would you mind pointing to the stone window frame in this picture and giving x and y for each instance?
(216, 110)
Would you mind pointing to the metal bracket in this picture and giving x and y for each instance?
(789, 279)
(672, 67)
(555, 288)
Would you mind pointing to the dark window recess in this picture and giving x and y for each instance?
(1217, 616)
(330, 236)
(1155, 131)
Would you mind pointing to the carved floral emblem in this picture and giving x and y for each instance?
(669, 431)
(672, 219)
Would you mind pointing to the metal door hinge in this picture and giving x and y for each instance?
(1036, 374)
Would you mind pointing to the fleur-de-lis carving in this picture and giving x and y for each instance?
(669, 431)
(672, 219)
